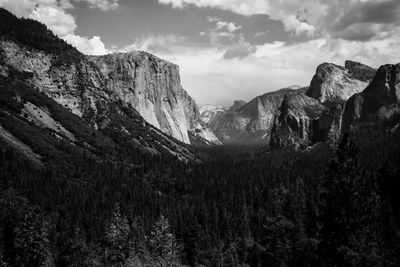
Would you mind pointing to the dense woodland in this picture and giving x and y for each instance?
(104, 202)
(279, 208)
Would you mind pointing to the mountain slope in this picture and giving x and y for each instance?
(149, 84)
(53, 97)
(249, 123)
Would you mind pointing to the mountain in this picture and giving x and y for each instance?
(149, 84)
(316, 116)
(249, 123)
(201, 135)
(293, 125)
(210, 113)
(237, 104)
(380, 98)
(336, 83)
(55, 100)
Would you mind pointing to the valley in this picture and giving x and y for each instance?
(108, 161)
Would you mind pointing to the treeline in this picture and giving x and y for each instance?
(34, 34)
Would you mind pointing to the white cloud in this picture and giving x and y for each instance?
(239, 6)
(60, 22)
(89, 46)
(101, 4)
(230, 26)
(310, 17)
(169, 43)
(54, 14)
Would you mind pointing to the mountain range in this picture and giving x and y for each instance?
(140, 96)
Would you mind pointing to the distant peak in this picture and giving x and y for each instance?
(237, 104)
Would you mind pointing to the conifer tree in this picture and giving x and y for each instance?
(31, 241)
(116, 243)
(162, 243)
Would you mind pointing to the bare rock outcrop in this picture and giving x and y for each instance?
(336, 83)
(380, 98)
(293, 124)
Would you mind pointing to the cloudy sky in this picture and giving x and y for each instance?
(229, 49)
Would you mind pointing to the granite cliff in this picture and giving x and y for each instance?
(147, 83)
(380, 99)
(336, 83)
(316, 116)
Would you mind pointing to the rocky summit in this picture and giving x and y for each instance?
(336, 83)
(316, 116)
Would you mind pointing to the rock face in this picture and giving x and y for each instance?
(210, 113)
(380, 98)
(335, 83)
(316, 116)
(293, 125)
(249, 123)
(201, 135)
(141, 80)
(152, 86)
(237, 104)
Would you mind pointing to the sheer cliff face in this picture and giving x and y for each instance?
(380, 98)
(152, 86)
(147, 83)
(336, 83)
(293, 125)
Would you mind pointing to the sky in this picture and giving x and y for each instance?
(229, 49)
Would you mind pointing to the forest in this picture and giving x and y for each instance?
(243, 208)
(104, 202)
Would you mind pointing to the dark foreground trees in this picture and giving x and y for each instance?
(281, 208)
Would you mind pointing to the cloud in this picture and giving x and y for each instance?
(284, 10)
(101, 4)
(361, 32)
(260, 34)
(377, 12)
(89, 46)
(367, 20)
(314, 18)
(230, 26)
(54, 14)
(60, 22)
(249, 7)
(240, 50)
(169, 43)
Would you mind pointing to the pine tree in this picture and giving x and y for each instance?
(350, 212)
(116, 245)
(162, 244)
(31, 241)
